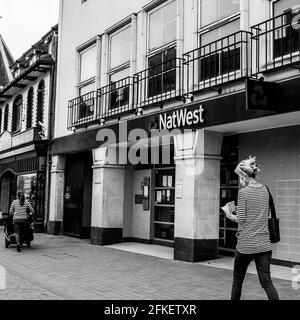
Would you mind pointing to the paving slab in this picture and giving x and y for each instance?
(63, 268)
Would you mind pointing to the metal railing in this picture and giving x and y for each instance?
(271, 44)
(218, 62)
(117, 97)
(160, 83)
(276, 43)
(83, 110)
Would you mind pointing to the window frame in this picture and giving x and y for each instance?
(272, 47)
(162, 75)
(6, 117)
(221, 21)
(165, 45)
(213, 26)
(81, 84)
(17, 127)
(94, 42)
(127, 23)
(29, 122)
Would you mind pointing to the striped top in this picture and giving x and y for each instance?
(20, 212)
(252, 218)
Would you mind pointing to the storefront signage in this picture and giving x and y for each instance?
(181, 118)
(262, 95)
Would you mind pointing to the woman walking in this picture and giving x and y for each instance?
(253, 233)
(20, 209)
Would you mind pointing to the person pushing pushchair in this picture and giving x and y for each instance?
(20, 209)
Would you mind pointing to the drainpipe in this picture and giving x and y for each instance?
(51, 112)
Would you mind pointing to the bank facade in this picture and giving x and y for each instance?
(26, 118)
(221, 76)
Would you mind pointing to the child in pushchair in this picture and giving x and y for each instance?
(9, 232)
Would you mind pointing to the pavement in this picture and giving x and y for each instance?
(63, 268)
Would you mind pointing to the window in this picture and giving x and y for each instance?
(87, 77)
(162, 73)
(119, 89)
(17, 113)
(40, 103)
(119, 81)
(29, 108)
(286, 38)
(5, 123)
(220, 56)
(214, 10)
(162, 25)
(87, 65)
(120, 47)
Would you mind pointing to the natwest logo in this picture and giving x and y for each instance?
(181, 118)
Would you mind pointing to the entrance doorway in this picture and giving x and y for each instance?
(164, 206)
(8, 183)
(228, 192)
(78, 195)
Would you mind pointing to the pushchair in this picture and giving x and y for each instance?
(9, 233)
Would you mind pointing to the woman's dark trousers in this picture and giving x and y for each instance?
(262, 262)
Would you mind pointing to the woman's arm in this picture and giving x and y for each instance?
(242, 207)
(30, 208)
(12, 209)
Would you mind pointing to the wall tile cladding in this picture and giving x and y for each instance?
(278, 154)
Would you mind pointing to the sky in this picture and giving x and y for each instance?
(24, 22)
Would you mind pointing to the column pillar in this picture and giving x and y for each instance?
(56, 209)
(197, 158)
(107, 200)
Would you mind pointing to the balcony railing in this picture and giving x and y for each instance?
(160, 83)
(83, 110)
(218, 62)
(117, 97)
(276, 42)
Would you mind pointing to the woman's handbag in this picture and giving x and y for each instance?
(273, 222)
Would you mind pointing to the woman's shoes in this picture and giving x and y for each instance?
(18, 248)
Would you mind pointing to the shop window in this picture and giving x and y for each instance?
(162, 25)
(164, 207)
(5, 122)
(29, 108)
(220, 56)
(162, 73)
(40, 103)
(286, 37)
(87, 78)
(17, 114)
(215, 10)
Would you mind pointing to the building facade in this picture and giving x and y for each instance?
(26, 119)
(216, 80)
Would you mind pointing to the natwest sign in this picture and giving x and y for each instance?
(181, 118)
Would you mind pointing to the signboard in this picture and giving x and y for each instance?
(262, 95)
(181, 118)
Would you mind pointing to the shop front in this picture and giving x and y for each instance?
(178, 203)
(28, 174)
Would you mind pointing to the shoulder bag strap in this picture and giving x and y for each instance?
(271, 204)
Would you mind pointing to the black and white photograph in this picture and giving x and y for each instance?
(149, 151)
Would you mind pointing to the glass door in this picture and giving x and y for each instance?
(164, 207)
(229, 192)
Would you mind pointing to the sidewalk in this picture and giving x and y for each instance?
(66, 268)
